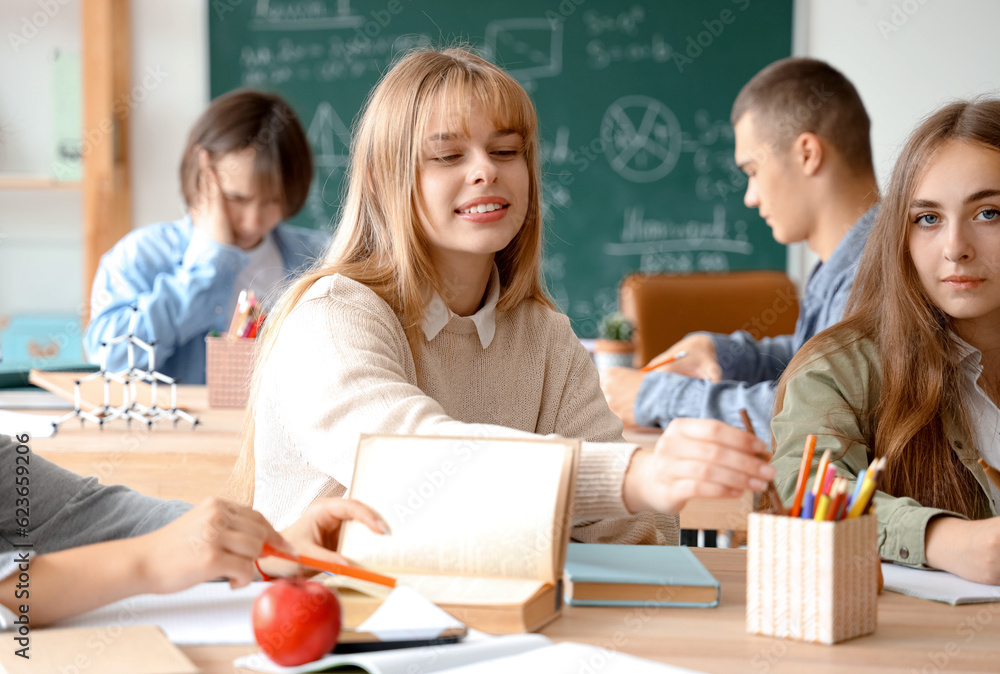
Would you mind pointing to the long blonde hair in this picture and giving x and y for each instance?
(921, 387)
(380, 241)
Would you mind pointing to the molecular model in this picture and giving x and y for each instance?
(131, 380)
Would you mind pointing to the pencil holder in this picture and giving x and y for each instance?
(228, 368)
(812, 580)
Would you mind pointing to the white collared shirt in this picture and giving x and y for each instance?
(437, 314)
(984, 416)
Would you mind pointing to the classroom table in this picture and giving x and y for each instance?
(913, 635)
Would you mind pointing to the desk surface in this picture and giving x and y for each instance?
(913, 635)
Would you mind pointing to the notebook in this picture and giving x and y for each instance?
(937, 585)
(634, 575)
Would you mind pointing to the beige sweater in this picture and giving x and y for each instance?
(342, 366)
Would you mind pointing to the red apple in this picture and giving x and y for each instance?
(296, 621)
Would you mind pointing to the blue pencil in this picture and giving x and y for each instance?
(857, 488)
(807, 505)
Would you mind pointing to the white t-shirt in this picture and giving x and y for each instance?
(984, 416)
(264, 273)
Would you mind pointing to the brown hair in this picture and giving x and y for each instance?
(264, 122)
(379, 239)
(921, 386)
(800, 95)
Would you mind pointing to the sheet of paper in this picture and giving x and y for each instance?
(937, 585)
(426, 660)
(210, 613)
(463, 590)
(35, 425)
(570, 658)
(405, 614)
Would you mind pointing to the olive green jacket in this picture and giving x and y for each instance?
(820, 399)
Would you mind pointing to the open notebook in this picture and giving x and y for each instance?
(481, 655)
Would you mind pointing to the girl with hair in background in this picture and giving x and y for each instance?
(429, 316)
(913, 372)
(246, 167)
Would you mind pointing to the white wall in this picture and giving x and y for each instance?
(905, 56)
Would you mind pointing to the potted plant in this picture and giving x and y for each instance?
(613, 346)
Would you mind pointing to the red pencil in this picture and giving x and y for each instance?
(649, 367)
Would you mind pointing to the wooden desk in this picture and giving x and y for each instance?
(913, 635)
(165, 461)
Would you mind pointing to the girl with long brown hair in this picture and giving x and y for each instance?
(429, 316)
(913, 372)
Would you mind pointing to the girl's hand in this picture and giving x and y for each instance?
(316, 533)
(209, 215)
(699, 361)
(695, 458)
(970, 549)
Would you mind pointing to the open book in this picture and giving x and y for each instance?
(479, 525)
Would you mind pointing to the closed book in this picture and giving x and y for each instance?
(634, 575)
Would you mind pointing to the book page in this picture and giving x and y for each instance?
(466, 590)
(481, 507)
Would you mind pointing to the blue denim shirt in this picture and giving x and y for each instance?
(751, 367)
(182, 281)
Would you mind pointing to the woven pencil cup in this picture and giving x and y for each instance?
(812, 580)
(228, 368)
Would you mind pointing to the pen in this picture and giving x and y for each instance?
(649, 367)
(857, 487)
(800, 486)
(772, 491)
(339, 569)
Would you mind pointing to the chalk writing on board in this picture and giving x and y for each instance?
(303, 15)
(665, 245)
(645, 138)
(530, 48)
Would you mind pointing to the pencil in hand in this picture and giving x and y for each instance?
(772, 491)
(649, 367)
(992, 473)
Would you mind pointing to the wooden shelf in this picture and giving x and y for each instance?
(17, 182)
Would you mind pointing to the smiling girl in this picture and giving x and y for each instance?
(913, 372)
(430, 317)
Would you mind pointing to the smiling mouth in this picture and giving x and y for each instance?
(482, 208)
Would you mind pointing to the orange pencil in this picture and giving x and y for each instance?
(839, 496)
(339, 569)
(800, 486)
(650, 366)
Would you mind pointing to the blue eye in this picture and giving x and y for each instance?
(927, 220)
(988, 214)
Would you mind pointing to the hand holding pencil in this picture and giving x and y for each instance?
(698, 359)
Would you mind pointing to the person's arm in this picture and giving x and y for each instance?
(362, 384)
(820, 400)
(177, 299)
(694, 458)
(745, 359)
(970, 549)
(664, 396)
(215, 539)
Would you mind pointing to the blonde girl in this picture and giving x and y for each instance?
(429, 316)
(913, 372)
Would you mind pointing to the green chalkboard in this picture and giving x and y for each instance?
(633, 101)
